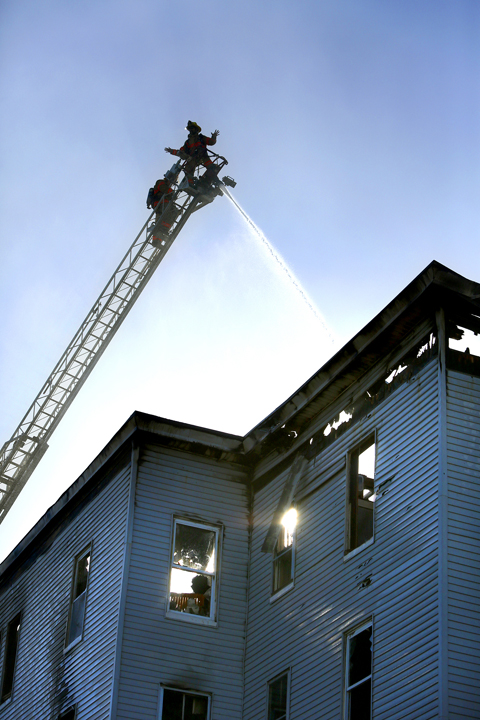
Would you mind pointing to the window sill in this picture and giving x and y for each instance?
(356, 551)
(72, 645)
(187, 617)
(282, 592)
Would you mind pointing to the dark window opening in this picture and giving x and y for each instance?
(79, 598)
(11, 647)
(178, 705)
(361, 494)
(68, 714)
(277, 698)
(359, 675)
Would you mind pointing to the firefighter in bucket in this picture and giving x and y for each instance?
(195, 153)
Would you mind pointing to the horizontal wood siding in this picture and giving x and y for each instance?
(157, 649)
(47, 677)
(463, 448)
(304, 629)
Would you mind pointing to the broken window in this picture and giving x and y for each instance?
(358, 674)
(179, 705)
(283, 555)
(278, 697)
(79, 597)
(9, 662)
(194, 570)
(360, 494)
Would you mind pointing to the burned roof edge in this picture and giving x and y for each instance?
(434, 274)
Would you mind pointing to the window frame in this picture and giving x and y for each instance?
(346, 658)
(187, 617)
(196, 693)
(17, 620)
(290, 548)
(286, 673)
(67, 713)
(78, 557)
(351, 478)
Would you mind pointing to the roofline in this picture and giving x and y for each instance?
(161, 429)
(234, 448)
(435, 274)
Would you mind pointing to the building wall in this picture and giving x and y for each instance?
(463, 443)
(394, 580)
(48, 678)
(157, 649)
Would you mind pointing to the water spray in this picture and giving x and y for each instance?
(276, 256)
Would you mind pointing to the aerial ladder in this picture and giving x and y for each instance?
(21, 454)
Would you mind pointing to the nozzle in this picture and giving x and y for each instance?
(228, 181)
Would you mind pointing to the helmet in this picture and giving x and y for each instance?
(193, 127)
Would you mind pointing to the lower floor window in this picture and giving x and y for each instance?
(358, 674)
(278, 698)
(179, 705)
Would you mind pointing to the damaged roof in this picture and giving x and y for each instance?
(380, 336)
(436, 285)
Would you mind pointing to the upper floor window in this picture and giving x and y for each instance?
(10, 656)
(69, 714)
(360, 494)
(78, 598)
(283, 556)
(278, 698)
(179, 705)
(193, 578)
(358, 674)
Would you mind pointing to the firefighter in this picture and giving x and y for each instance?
(195, 153)
(159, 198)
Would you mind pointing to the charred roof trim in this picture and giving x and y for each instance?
(416, 301)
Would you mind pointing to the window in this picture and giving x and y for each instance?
(179, 705)
(79, 597)
(11, 647)
(278, 698)
(283, 555)
(361, 494)
(69, 714)
(358, 674)
(193, 579)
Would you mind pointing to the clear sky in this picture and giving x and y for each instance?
(352, 129)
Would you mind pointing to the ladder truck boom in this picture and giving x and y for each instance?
(22, 453)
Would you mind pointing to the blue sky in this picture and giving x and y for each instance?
(352, 130)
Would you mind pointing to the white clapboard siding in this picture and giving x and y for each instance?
(47, 678)
(463, 447)
(157, 649)
(304, 629)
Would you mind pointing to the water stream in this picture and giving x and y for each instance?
(281, 262)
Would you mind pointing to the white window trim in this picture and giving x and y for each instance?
(275, 594)
(187, 617)
(288, 673)
(351, 553)
(283, 591)
(354, 551)
(79, 639)
(347, 636)
(184, 692)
